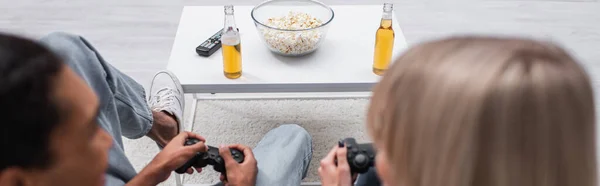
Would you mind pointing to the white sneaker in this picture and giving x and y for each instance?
(166, 94)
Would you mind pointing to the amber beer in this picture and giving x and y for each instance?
(231, 46)
(232, 60)
(384, 41)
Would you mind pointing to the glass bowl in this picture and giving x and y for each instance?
(285, 36)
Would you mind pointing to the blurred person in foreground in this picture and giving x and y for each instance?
(64, 110)
(479, 111)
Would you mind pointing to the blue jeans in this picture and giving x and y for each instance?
(283, 155)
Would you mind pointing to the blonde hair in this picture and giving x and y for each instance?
(486, 112)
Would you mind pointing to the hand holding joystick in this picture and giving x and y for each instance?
(210, 157)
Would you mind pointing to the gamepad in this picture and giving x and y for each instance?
(361, 157)
(210, 157)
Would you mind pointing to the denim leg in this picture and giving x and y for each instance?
(369, 178)
(283, 156)
(123, 107)
(113, 88)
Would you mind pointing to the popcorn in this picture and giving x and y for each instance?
(293, 42)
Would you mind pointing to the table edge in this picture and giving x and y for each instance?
(278, 87)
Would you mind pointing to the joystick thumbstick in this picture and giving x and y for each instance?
(360, 156)
(361, 161)
(191, 141)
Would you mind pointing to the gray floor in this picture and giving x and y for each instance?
(136, 36)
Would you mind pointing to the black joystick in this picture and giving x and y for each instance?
(210, 157)
(361, 157)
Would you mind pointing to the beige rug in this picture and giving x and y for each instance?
(246, 121)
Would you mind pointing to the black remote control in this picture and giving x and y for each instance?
(211, 45)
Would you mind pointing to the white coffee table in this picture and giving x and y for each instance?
(341, 65)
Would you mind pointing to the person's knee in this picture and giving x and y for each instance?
(73, 49)
(295, 129)
(61, 40)
(66, 44)
(62, 35)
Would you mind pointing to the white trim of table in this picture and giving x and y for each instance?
(278, 88)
